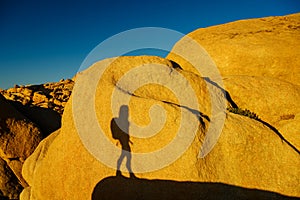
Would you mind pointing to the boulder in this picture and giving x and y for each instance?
(18, 139)
(10, 187)
(268, 47)
(32, 163)
(39, 98)
(249, 159)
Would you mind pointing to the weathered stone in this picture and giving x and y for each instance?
(67, 81)
(39, 98)
(63, 104)
(26, 100)
(27, 92)
(9, 185)
(18, 139)
(40, 95)
(267, 47)
(57, 102)
(12, 90)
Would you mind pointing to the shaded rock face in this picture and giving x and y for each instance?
(9, 184)
(250, 160)
(18, 139)
(43, 104)
(27, 115)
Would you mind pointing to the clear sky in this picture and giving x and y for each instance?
(47, 40)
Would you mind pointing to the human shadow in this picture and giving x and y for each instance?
(120, 131)
(125, 188)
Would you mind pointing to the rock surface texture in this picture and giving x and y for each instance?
(252, 159)
(19, 137)
(259, 61)
(266, 47)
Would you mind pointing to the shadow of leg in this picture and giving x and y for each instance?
(119, 162)
(128, 164)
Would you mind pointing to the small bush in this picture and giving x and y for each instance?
(244, 112)
(287, 117)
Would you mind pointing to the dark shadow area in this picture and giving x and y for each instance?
(226, 94)
(120, 131)
(41, 88)
(143, 189)
(3, 197)
(47, 119)
(175, 65)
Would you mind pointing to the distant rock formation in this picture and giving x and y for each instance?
(43, 104)
(49, 95)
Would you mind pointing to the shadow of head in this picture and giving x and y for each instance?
(125, 188)
(123, 113)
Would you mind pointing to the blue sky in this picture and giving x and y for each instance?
(45, 41)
